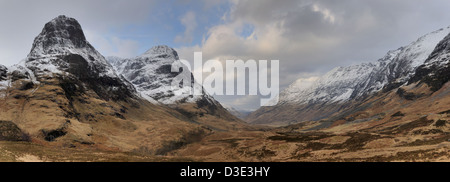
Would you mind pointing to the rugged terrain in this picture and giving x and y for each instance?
(66, 95)
(66, 102)
(151, 74)
(344, 88)
(396, 109)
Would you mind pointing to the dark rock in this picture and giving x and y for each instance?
(445, 112)
(20, 96)
(51, 135)
(59, 28)
(406, 95)
(118, 115)
(166, 69)
(440, 123)
(398, 114)
(26, 86)
(11, 132)
(3, 72)
(433, 72)
(17, 75)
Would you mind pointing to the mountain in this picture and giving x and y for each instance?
(62, 48)
(346, 87)
(66, 94)
(66, 102)
(151, 74)
(436, 70)
(238, 113)
(152, 77)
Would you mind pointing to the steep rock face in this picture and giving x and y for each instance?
(353, 82)
(3, 72)
(67, 94)
(62, 50)
(344, 87)
(436, 70)
(151, 74)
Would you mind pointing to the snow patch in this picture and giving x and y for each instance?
(151, 74)
(344, 83)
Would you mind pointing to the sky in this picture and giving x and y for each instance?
(309, 37)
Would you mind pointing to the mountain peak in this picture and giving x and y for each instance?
(61, 32)
(65, 27)
(161, 51)
(344, 86)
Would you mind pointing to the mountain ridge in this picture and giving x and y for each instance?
(344, 87)
(152, 76)
(66, 94)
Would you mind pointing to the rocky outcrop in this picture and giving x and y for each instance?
(61, 50)
(436, 70)
(151, 74)
(10, 132)
(3, 72)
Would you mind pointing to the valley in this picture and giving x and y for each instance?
(67, 102)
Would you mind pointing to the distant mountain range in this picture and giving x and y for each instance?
(345, 88)
(67, 102)
(66, 93)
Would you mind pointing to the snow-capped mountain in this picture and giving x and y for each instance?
(61, 50)
(344, 83)
(348, 84)
(67, 93)
(63, 36)
(152, 76)
(436, 69)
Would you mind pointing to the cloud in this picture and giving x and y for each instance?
(190, 23)
(326, 13)
(311, 37)
(114, 46)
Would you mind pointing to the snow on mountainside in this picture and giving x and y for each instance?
(440, 56)
(60, 37)
(62, 51)
(353, 82)
(343, 89)
(3, 71)
(16, 72)
(3, 78)
(436, 69)
(152, 76)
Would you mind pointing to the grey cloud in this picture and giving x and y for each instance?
(362, 31)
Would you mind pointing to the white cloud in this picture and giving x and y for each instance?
(112, 45)
(327, 15)
(190, 23)
(307, 36)
(311, 37)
